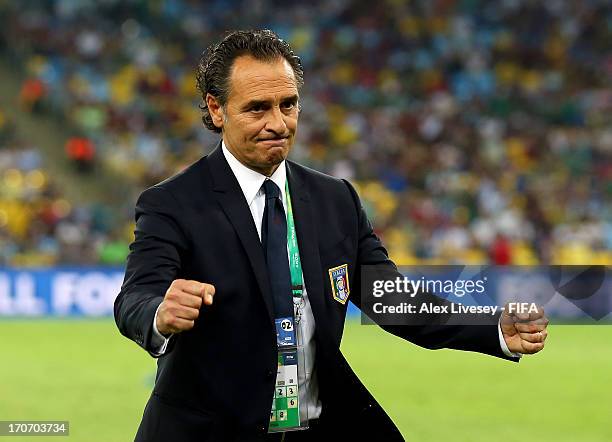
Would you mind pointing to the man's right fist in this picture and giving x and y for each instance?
(181, 305)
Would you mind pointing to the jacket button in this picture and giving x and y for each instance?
(261, 429)
(367, 408)
(270, 374)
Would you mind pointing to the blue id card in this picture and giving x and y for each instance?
(285, 332)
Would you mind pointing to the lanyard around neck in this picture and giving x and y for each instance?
(295, 264)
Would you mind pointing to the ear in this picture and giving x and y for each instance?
(215, 109)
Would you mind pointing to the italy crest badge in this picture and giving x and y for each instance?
(338, 276)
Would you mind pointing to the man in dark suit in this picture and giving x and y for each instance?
(200, 289)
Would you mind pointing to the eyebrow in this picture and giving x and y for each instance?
(253, 103)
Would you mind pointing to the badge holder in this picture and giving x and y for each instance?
(288, 413)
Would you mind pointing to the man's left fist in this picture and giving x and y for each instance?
(524, 332)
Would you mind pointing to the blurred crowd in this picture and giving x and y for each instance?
(476, 131)
(39, 226)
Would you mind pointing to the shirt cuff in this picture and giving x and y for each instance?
(504, 346)
(158, 341)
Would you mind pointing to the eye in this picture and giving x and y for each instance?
(257, 108)
(289, 105)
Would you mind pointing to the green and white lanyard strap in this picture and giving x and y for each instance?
(295, 264)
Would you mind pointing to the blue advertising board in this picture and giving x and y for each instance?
(61, 291)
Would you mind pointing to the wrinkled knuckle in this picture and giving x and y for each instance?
(172, 293)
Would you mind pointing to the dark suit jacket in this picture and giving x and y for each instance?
(216, 381)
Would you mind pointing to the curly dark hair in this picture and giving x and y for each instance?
(214, 67)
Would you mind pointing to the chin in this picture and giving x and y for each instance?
(276, 155)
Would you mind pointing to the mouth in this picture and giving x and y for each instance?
(274, 142)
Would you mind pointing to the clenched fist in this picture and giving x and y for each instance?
(181, 305)
(524, 332)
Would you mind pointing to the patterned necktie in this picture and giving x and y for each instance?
(274, 241)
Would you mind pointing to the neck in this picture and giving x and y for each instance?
(267, 171)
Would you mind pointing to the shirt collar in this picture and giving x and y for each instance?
(250, 181)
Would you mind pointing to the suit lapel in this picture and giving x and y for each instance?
(308, 241)
(231, 199)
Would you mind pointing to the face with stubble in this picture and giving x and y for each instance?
(259, 119)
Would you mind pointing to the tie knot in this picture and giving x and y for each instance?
(271, 189)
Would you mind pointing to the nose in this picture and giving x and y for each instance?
(276, 122)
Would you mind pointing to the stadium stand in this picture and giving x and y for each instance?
(468, 141)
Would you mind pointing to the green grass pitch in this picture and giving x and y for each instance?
(85, 372)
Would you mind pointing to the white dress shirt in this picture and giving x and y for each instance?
(251, 183)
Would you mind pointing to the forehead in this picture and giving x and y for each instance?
(252, 79)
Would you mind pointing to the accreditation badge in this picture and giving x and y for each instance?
(285, 332)
(338, 276)
(285, 413)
